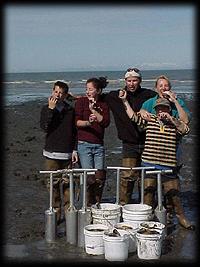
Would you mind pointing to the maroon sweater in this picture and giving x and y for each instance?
(95, 133)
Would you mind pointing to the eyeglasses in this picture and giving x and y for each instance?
(133, 69)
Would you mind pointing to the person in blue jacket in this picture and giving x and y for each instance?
(179, 110)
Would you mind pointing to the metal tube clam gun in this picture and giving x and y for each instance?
(84, 214)
(50, 216)
(71, 215)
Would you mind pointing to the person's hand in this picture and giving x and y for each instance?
(52, 101)
(145, 114)
(93, 106)
(164, 116)
(122, 94)
(170, 95)
(74, 157)
(92, 118)
(92, 103)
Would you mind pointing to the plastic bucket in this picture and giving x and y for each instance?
(93, 233)
(107, 214)
(116, 247)
(149, 245)
(137, 212)
(129, 230)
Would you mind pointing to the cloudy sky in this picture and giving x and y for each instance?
(98, 37)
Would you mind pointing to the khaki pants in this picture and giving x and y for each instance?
(127, 180)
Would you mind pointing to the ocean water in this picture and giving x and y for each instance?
(23, 87)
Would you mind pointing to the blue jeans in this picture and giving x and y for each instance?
(91, 155)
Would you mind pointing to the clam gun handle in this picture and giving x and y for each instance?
(118, 169)
(159, 171)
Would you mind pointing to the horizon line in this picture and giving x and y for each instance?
(167, 69)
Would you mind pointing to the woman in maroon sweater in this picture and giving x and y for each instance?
(92, 117)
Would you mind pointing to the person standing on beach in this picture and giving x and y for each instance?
(92, 117)
(178, 106)
(178, 109)
(162, 131)
(132, 139)
(57, 119)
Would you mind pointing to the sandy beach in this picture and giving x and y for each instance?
(26, 198)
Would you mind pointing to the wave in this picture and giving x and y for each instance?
(20, 82)
(83, 81)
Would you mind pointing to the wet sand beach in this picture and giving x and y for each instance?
(25, 197)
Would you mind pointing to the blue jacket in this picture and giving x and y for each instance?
(148, 105)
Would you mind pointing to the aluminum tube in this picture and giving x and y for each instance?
(158, 171)
(142, 186)
(159, 190)
(117, 186)
(71, 190)
(84, 189)
(129, 168)
(50, 225)
(51, 193)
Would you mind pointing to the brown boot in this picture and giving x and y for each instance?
(172, 191)
(66, 196)
(100, 178)
(126, 189)
(149, 191)
(183, 221)
(127, 180)
(170, 210)
(56, 199)
(90, 190)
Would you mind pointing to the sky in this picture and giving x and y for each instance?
(66, 37)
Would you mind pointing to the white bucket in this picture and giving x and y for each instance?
(131, 231)
(93, 233)
(137, 212)
(149, 245)
(107, 214)
(116, 247)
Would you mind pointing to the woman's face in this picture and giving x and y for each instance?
(91, 91)
(162, 87)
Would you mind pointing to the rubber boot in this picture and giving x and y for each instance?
(183, 221)
(149, 191)
(172, 192)
(100, 178)
(126, 189)
(170, 210)
(127, 180)
(56, 165)
(66, 196)
(57, 201)
(90, 190)
(56, 198)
